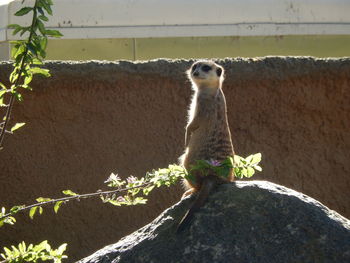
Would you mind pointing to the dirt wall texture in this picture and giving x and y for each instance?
(93, 118)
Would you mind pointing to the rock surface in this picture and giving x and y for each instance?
(254, 221)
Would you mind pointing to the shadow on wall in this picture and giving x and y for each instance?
(94, 118)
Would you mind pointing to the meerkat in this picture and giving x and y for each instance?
(208, 135)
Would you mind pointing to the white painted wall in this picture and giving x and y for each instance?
(89, 19)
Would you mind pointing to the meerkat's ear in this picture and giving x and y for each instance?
(219, 71)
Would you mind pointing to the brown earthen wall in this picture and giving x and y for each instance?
(93, 118)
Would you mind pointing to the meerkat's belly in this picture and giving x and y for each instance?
(198, 148)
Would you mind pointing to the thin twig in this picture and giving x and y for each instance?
(12, 96)
(64, 199)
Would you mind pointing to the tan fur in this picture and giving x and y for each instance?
(208, 135)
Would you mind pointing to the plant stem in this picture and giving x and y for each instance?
(68, 198)
(12, 96)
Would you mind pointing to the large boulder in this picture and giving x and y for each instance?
(254, 221)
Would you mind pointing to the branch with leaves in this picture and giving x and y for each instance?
(33, 253)
(136, 190)
(27, 55)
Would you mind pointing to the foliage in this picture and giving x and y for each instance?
(33, 253)
(242, 167)
(27, 55)
(136, 190)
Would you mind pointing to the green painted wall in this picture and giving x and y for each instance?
(196, 47)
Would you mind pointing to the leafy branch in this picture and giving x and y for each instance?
(136, 189)
(28, 55)
(31, 253)
(132, 187)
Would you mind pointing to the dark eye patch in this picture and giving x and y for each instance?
(218, 72)
(194, 67)
(206, 68)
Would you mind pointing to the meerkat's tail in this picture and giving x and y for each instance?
(207, 185)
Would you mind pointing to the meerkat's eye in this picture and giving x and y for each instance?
(206, 68)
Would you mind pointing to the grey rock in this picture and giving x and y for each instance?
(246, 221)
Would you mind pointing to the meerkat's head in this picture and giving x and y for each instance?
(205, 73)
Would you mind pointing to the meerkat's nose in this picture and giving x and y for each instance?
(196, 73)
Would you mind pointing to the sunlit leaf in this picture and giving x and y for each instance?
(44, 72)
(250, 172)
(57, 206)
(256, 158)
(258, 168)
(15, 209)
(69, 192)
(17, 126)
(32, 212)
(43, 199)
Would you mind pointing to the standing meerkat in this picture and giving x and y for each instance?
(208, 135)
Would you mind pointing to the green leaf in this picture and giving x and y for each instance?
(16, 28)
(256, 158)
(258, 168)
(22, 247)
(13, 26)
(250, 172)
(16, 31)
(53, 33)
(41, 27)
(23, 11)
(32, 49)
(44, 18)
(69, 192)
(47, 7)
(24, 29)
(147, 190)
(7, 251)
(42, 246)
(17, 50)
(37, 61)
(40, 10)
(16, 208)
(61, 249)
(43, 199)
(43, 43)
(40, 210)
(57, 206)
(32, 212)
(139, 201)
(3, 91)
(3, 87)
(28, 78)
(44, 72)
(17, 126)
(237, 159)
